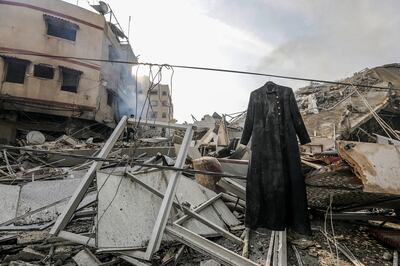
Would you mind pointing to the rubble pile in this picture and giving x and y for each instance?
(179, 198)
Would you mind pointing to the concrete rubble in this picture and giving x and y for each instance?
(179, 199)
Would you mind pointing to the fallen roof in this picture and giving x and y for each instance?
(336, 101)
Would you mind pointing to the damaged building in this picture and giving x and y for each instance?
(138, 197)
(159, 105)
(59, 95)
(341, 112)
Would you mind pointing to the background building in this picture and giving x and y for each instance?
(159, 106)
(68, 93)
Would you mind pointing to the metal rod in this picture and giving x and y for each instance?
(212, 225)
(282, 249)
(270, 248)
(199, 208)
(205, 246)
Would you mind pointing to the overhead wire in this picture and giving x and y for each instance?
(390, 132)
(198, 68)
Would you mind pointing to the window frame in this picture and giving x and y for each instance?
(44, 66)
(66, 29)
(69, 71)
(17, 61)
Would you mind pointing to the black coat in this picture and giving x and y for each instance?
(275, 191)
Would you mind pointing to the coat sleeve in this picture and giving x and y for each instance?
(298, 123)
(248, 124)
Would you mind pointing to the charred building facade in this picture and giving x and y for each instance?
(47, 80)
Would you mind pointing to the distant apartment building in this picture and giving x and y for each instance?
(69, 91)
(159, 105)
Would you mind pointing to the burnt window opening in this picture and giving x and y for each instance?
(110, 98)
(70, 79)
(43, 71)
(16, 70)
(164, 93)
(164, 115)
(112, 53)
(60, 28)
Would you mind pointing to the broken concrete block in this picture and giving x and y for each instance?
(29, 254)
(9, 196)
(86, 258)
(209, 263)
(21, 263)
(26, 238)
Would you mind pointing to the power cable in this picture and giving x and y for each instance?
(200, 68)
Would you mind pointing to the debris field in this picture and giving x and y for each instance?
(180, 198)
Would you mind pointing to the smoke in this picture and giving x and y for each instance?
(337, 38)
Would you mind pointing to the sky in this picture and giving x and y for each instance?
(319, 39)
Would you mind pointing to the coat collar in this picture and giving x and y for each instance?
(270, 87)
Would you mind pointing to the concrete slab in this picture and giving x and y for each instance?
(38, 194)
(9, 196)
(377, 165)
(137, 208)
(85, 258)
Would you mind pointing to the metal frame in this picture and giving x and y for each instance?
(184, 235)
(79, 193)
(193, 213)
(205, 246)
(166, 205)
(277, 250)
(235, 187)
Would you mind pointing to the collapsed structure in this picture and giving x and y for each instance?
(155, 199)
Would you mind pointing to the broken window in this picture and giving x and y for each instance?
(154, 115)
(16, 69)
(43, 71)
(164, 115)
(153, 92)
(164, 103)
(164, 93)
(70, 79)
(110, 98)
(60, 28)
(153, 103)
